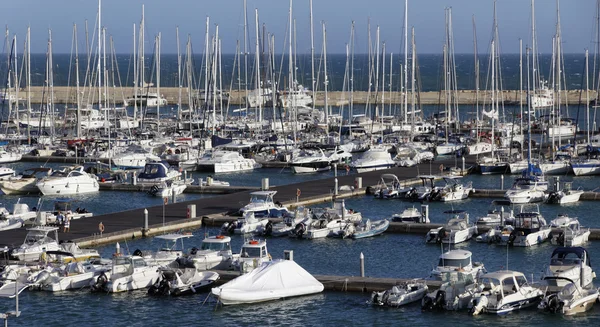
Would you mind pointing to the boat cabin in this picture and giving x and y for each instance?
(218, 243)
(39, 236)
(254, 249)
(455, 259)
(504, 282)
(569, 256)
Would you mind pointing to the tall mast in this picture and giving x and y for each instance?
(413, 80)
(587, 95)
(99, 54)
(325, 72)
(77, 81)
(135, 77)
(206, 61)
(245, 54)
(158, 82)
(521, 89)
(493, 95)
(476, 63)
(312, 54)
(533, 49)
(178, 74)
(405, 60)
(258, 86)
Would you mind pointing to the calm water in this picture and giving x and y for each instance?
(390, 255)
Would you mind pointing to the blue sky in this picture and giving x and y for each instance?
(427, 16)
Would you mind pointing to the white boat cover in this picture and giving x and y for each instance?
(271, 281)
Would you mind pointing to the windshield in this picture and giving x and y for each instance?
(250, 252)
(454, 262)
(565, 259)
(33, 237)
(215, 246)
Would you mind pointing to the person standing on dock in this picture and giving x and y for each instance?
(67, 225)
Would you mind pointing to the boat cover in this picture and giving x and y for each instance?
(270, 281)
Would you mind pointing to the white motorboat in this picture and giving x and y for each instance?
(389, 188)
(74, 275)
(400, 294)
(17, 218)
(133, 158)
(25, 182)
(454, 191)
(128, 273)
(529, 188)
(564, 195)
(157, 172)
(373, 159)
(68, 181)
(562, 221)
(245, 225)
(455, 293)
(496, 234)
(270, 281)
(333, 228)
(572, 299)
(503, 292)
(367, 229)
(497, 214)
(10, 156)
(36, 242)
(448, 148)
(308, 161)
(214, 253)
(457, 230)
(6, 173)
(252, 255)
(289, 223)
(261, 205)
(182, 280)
(413, 215)
(571, 235)
(457, 260)
(172, 249)
(168, 189)
(569, 264)
(426, 191)
(337, 211)
(530, 228)
(222, 161)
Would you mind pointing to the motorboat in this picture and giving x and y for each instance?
(68, 182)
(373, 159)
(337, 212)
(157, 172)
(214, 253)
(530, 228)
(332, 228)
(569, 265)
(128, 273)
(400, 295)
(36, 242)
(223, 161)
(496, 234)
(497, 214)
(62, 207)
(181, 279)
(9, 156)
(412, 215)
(368, 229)
(457, 260)
(503, 292)
(289, 223)
(6, 173)
(271, 280)
(74, 275)
(261, 205)
(426, 191)
(168, 188)
(562, 221)
(455, 293)
(245, 225)
(389, 188)
(564, 195)
(308, 161)
(571, 235)
(172, 249)
(572, 299)
(133, 158)
(252, 255)
(25, 182)
(454, 191)
(529, 188)
(17, 218)
(457, 230)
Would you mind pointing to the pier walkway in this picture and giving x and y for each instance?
(128, 224)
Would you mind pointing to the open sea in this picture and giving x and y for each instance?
(389, 255)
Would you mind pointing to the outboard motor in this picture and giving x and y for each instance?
(268, 229)
(440, 299)
(231, 228)
(138, 253)
(100, 283)
(194, 250)
(512, 238)
(560, 240)
(299, 230)
(41, 277)
(554, 304)
(552, 197)
(440, 235)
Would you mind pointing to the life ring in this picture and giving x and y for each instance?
(219, 237)
(253, 242)
(101, 227)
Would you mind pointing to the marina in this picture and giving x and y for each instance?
(284, 182)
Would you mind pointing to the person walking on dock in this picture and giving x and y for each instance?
(67, 224)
